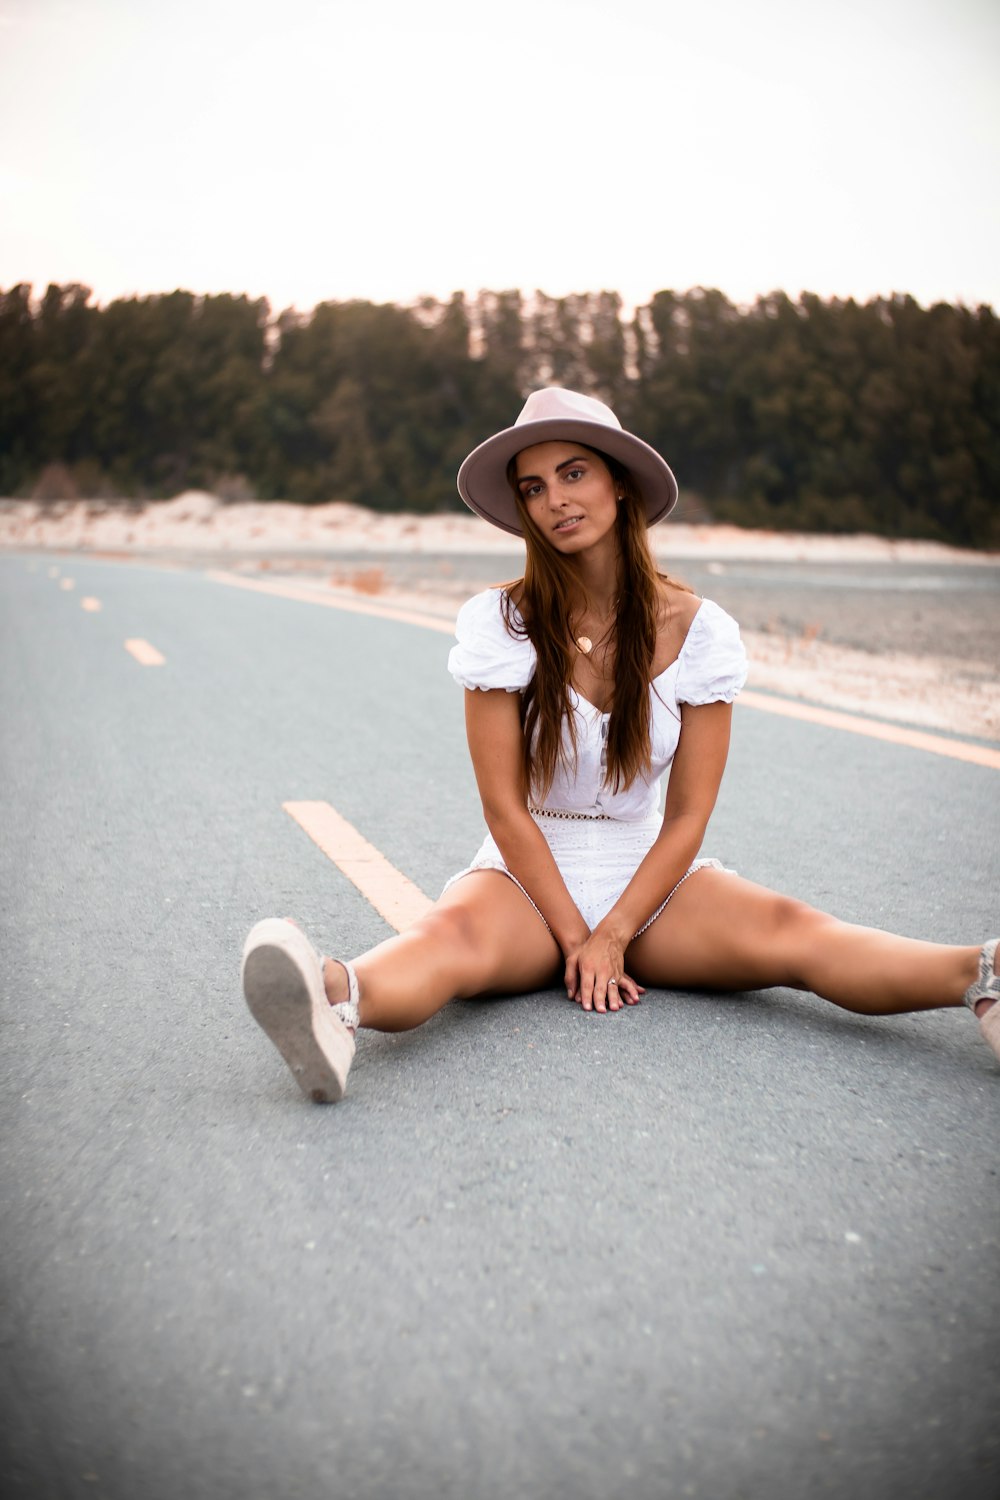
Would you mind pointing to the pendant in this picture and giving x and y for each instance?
(585, 644)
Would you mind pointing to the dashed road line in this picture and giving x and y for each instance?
(66, 583)
(90, 605)
(145, 653)
(393, 894)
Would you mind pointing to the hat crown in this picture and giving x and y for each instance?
(553, 403)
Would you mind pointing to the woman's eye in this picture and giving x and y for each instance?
(531, 491)
(574, 473)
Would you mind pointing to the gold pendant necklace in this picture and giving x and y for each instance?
(586, 644)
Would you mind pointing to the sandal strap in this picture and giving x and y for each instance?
(987, 986)
(348, 1010)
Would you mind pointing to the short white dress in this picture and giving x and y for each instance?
(599, 837)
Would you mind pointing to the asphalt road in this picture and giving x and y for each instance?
(729, 1248)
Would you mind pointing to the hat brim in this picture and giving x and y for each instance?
(482, 479)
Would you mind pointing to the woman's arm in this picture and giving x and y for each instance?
(493, 726)
(695, 777)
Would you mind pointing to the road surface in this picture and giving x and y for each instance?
(717, 1246)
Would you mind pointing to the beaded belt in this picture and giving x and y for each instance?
(558, 812)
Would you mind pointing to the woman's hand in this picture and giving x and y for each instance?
(595, 975)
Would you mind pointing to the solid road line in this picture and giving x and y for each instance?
(145, 653)
(353, 606)
(830, 718)
(896, 734)
(392, 894)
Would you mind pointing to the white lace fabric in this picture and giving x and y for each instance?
(597, 858)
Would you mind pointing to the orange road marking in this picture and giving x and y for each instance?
(830, 718)
(352, 606)
(896, 734)
(66, 583)
(91, 605)
(392, 894)
(145, 653)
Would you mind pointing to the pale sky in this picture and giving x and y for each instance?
(301, 150)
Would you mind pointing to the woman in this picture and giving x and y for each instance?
(586, 680)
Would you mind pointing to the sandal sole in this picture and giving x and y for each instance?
(319, 1050)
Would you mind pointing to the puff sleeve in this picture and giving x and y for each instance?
(713, 662)
(487, 655)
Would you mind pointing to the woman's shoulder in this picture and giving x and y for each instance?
(486, 606)
(492, 649)
(712, 665)
(492, 614)
(676, 610)
(679, 605)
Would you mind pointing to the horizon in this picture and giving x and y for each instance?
(627, 309)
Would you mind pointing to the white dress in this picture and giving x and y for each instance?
(598, 836)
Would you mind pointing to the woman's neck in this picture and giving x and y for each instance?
(598, 579)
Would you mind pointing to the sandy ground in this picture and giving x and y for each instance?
(908, 658)
(200, 522)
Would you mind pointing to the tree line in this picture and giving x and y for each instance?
(826, 415)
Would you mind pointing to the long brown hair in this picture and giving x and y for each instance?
(544, 599)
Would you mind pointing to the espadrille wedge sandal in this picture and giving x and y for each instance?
(283, 984)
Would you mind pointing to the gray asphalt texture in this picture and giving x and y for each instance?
(739, 1246)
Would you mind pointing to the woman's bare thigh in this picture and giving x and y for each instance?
(515, 951)
(720, 932)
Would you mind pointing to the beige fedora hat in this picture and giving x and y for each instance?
(554, 414)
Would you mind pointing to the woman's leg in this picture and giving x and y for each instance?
(482, 937)
(722, 932)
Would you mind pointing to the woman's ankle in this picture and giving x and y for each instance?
(335, 981)
(342, 993)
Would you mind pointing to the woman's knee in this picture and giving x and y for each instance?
(794, 928)
(787, 915)
(498, 942)
(449, 923)
(454, 926)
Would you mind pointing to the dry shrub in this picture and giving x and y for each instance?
(368, 581)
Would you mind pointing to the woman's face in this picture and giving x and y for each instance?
(568, 493)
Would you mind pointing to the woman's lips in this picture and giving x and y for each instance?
(569, 524)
